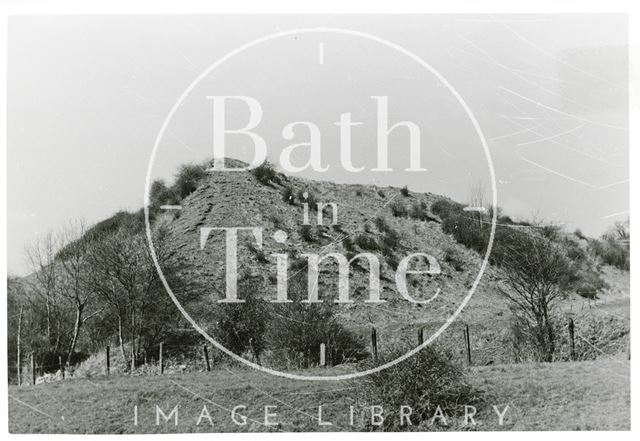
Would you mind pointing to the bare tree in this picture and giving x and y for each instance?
(477, 201)
(113, 279)
(125, 278)
(537, 272)
(618, 232)
(44, 283)
(72, 260)
(18, 347)
(18, 321)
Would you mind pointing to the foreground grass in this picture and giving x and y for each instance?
(558, 396)
(588, 395)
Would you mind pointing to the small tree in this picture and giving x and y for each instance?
(241, 326)
(16, 300)
(537, 272)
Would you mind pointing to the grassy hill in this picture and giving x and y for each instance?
(389, 222)
(366, 223)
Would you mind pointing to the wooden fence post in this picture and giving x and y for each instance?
(374, 344)
(256, 357)
(468, 343)
(572, 340)
(133, 358)
(18, 354)
(108, 361)
(160, 360)
(33, 370)
(323, 349)
(206, 358)
(420, 336)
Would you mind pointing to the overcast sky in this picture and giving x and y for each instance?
(87, 96)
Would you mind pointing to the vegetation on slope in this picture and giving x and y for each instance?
(120, 285)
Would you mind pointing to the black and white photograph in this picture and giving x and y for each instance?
(300, 222)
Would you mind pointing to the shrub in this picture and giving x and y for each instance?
(505, 220)
(404, 191)
(474, 235)
(265, 173)
(288, 195)
(278, 221)
(387, 251)
(600, 336)
(398, 209)
(187, 179)
(590, 284)
(391, 259)
(299, 264)
(445, 208)
(424, 381)
(296, 336)
(160, 194)
(367, 242)
(452, 257)
(381, 224)
(241, 326)
(551, 232)
(306, 232)
(299, 329)
(420, 211)
(574, 250)
(348, 243)
(611, 252)
(258, 252)
(382, 194)
(465, 230)
(391, 239)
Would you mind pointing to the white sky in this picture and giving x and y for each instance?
(88, 94)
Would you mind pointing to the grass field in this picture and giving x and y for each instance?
(559, 396)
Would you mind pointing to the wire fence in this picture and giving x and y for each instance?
(473, 345)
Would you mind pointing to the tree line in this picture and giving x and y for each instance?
(89, 286)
